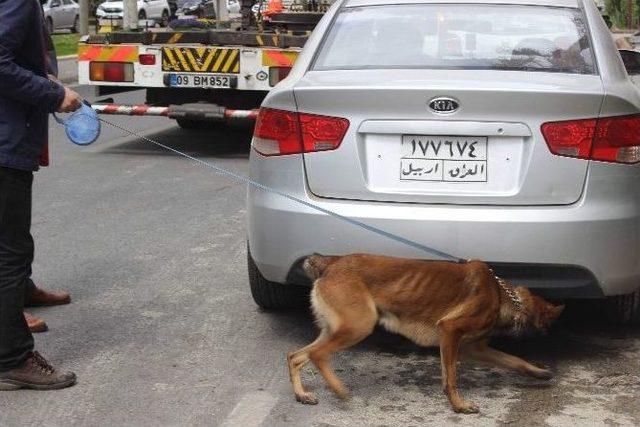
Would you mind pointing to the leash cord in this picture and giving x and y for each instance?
(243, 179)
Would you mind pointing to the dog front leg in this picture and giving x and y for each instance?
(449, 348)
(486, 354)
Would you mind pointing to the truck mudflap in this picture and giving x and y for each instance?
(196, 111)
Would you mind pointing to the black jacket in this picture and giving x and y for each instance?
(27, 96)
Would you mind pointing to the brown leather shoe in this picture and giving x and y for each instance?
(36, 374)
(35, 324)
(40, 297)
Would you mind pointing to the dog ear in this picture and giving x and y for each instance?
(550, 314)
(557, 310)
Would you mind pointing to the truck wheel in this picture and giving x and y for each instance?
(196, 124)
(624, 309)
(274, 296)
(76, 25)
(50, 25)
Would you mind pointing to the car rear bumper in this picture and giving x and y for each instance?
(588, 249)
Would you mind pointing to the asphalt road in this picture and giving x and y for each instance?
(162, 329)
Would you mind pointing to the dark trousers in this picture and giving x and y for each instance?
(16, 256)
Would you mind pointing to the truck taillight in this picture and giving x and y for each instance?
(279, 132)
(277, 74)
(608, 139)
(111, 71)
(147, 59)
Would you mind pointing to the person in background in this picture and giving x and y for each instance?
(27, 96)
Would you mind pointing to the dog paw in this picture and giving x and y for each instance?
(343, 394)
(542, 374)
(467, 408)
(307, 398)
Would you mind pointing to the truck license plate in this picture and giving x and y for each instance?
(199, 80)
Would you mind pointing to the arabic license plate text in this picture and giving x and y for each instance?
(199, 80)
(443, 158)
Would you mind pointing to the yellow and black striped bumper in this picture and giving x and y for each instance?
(201, 60)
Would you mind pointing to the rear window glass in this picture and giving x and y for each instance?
(473, 37)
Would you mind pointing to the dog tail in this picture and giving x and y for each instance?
(316, 264)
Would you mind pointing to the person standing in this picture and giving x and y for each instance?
(37, 297)
(27, 96)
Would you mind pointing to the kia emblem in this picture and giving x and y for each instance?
(444, 105)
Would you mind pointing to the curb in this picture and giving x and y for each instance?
(67, 57)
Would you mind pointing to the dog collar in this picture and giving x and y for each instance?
(513, 295)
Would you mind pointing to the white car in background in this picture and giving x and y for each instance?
(61, 14)
(204, 8)
(158, 10)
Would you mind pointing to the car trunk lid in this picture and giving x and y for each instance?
(490, 151)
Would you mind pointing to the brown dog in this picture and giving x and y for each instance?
(457, 307)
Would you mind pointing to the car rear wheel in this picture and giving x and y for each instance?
(274, 296)
(624, 309)
(50, 25)
(142, 15)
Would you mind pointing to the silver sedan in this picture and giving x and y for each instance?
(508, 132)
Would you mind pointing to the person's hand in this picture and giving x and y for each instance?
(71, 102)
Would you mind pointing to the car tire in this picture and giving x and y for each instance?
(164, 21)
(142, 14)
(50, 25)
(274, 296)
(624, 309)
(76, 25)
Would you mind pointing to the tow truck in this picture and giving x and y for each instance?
(201, 77)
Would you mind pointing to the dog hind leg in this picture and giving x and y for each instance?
(296, 361)
(349, 314)
(344, 337)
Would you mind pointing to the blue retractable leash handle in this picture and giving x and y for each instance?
(82, 126)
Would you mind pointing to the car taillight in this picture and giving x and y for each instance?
(111, 71)
(147, 59)
(608, 139)
(279, 132)
(277, 74)
(617, 139)
(570, 138)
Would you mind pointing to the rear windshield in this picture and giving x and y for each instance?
(468, 37)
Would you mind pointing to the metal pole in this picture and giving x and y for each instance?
(222, 13)
(84, 17)
(130, 21)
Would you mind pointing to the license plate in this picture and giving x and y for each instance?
(443, 158)
(199, 80)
